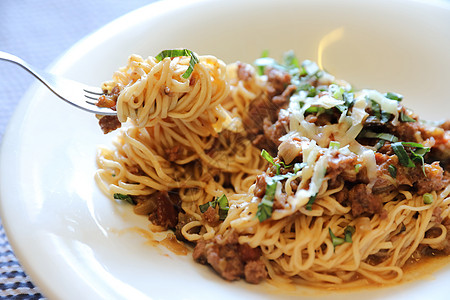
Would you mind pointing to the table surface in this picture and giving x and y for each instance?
(39, 32)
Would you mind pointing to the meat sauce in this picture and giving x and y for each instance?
(265, 123)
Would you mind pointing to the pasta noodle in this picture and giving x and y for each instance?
(288, 174)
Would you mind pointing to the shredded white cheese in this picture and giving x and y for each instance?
(386, 104)
(368, 157)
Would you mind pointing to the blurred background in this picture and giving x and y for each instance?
(40, 31)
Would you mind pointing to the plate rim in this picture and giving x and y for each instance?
(60, 66)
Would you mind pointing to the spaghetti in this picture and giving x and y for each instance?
(286, 174)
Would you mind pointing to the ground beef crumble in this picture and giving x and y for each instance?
(230, 259)
(109, 123)
(167, 207)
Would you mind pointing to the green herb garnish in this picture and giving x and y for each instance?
(394, 96)
(335, 240)
(348, 233)
(417, 155)
(405, 118)
(124, 197)
(177, 53)
(266, 205)
(379, 144)
(382, 136)
(349, 101)
(402, 155)
(271, 160)
(378, 113)
(311, 201)
(393, 171)
(222, 201)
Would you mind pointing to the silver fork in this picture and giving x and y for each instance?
(73, 92)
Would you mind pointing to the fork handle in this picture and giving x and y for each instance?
(17, 60)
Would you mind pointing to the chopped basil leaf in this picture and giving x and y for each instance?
(403, 157)
(177, 53)
(349, 101)
(405, 118)
(417, 155)
(204, 207)
(335, 240)
(223, 214)
(394, 96)
(348, 233)
(123, 197)
(393, 171)
(383, 116)
(427, 198)
(264, 211)
(379, 144)
(271, 160)
(222, 201)
(412, 144)
(373, 135)
(376, 109)
(265, 207)
(223, 207)
(312, 199)
(271, 187)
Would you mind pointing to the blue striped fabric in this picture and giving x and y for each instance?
(14, 283)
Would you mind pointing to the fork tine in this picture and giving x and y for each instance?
(93, 102)
(94, 90)
(92, 93)
(90, 97)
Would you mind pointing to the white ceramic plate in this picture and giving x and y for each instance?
(75, 243)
